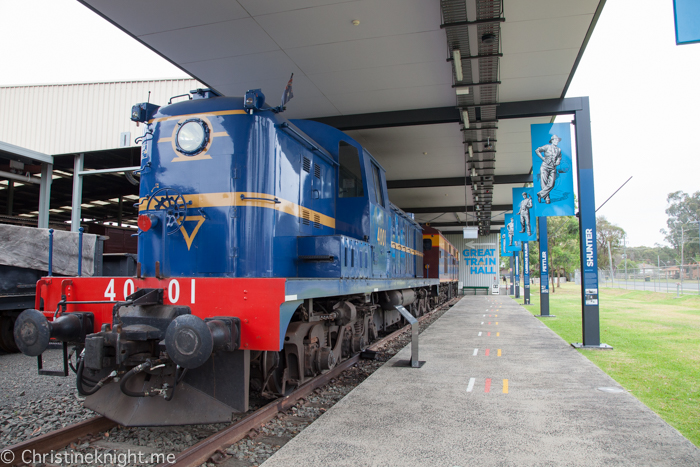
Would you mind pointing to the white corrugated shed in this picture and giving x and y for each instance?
(67, 118)
(478, 259)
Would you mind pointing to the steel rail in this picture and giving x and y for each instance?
(57, 439)
(201, 452)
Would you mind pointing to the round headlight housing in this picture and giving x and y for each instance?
(192, 136)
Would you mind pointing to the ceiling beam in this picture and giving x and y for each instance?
(435, 115)
(459, 224)
(456, 181)
(397, 118)
(539, 108)
(439, 209)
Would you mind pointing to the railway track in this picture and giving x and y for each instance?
(212, 446)
(53, 440)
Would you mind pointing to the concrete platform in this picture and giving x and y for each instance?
(538, 403)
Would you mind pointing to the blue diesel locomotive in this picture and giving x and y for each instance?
(268, 252)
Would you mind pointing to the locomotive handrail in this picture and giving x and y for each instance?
(323, 152)
(247, 198)
(83, 302)
(180, 95)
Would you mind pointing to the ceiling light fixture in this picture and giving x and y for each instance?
(356, 22)
(488, 38)
(465, 117)
(462, 91)
(457, 60)
(471, 151)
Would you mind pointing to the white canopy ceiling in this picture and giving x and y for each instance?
(394, 59)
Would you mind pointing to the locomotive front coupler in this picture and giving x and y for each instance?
(190, 340)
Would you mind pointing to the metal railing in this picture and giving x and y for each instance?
(681, 280)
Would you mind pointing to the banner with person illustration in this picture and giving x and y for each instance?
(552, 169)
(511, 245)
(524, 214)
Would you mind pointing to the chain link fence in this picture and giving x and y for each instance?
(679, 280)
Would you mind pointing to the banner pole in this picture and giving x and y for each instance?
(544, 267)
(587, 231)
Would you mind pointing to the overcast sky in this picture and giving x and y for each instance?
(643, 91)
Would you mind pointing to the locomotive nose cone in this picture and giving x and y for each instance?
(32, 332)
(188, 341)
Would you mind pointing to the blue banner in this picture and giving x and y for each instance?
(511, 244)
(552, 169)
(524, 214)
(686, 14)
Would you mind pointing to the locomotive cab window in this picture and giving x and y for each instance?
(349, 173)
(378, 195)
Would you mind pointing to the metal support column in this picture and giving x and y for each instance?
(120, 211)
(516, 255)
(526, 272)
(587, 230)
(544, 268)
(512, 275)
(77, 192)
(45, 195)
(10, 196)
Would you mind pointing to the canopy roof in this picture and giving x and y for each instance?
(400, 57)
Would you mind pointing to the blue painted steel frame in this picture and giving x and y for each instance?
(579, 107)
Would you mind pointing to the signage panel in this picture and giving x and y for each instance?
(511, 245)
(524, 214)
(686, 16)
(552, 169)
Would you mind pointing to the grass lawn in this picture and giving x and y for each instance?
(656, 341)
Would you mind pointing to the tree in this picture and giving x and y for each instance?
(606, 232)
(657, 254)
(563, 236)
(682, 232)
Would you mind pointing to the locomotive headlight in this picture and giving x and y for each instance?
(192, 136)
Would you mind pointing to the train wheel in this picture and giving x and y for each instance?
(268, 370)
(7, 338)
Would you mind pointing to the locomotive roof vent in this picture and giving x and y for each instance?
(204, 93)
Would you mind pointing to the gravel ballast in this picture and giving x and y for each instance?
(32, 405)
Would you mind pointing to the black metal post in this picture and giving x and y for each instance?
(120, 211)
(512, 275)
(516, 255)
(10, 196)
(80, 251)
(587, 230)
(50, 272)
(544, 267)
(526, 272)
